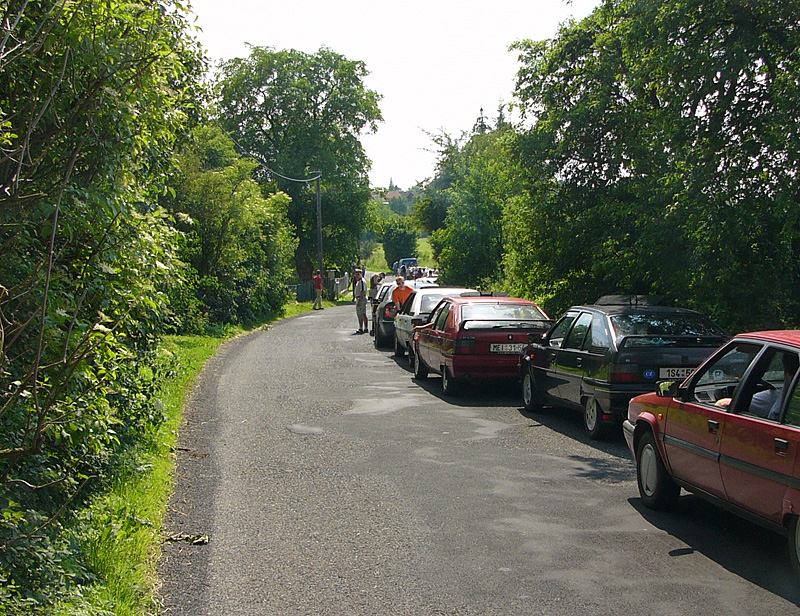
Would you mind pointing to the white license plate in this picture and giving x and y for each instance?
(507, 347)
(674, 373)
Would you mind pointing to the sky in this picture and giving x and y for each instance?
(435, 63)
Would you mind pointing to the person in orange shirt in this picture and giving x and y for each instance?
(401, 292)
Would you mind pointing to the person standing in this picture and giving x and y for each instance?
(401, 292)
(317, 290)
(360, 295)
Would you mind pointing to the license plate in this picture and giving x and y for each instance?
(507, 347)
(674, 373)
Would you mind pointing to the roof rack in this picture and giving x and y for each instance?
(632, 300)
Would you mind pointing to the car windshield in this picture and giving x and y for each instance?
(665, 329)
(429, 302)
(501, 315)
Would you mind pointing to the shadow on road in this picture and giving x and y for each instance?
(741, 547)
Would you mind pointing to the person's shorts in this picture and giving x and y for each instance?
(361, 309)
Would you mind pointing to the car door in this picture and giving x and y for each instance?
(546, 368)
(569, 360)
(693, 428)
(402, 323)
(758, 451)
(434, 336)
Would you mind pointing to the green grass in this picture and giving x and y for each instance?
(123, 531)
(123, 528)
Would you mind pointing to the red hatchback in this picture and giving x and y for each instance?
(729, 433)
(475, 337)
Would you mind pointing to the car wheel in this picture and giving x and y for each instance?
(530, 398)
(794, 544)
(399, 349)
(420, 371)
(449, 384)
(656, 487)
(591, 419)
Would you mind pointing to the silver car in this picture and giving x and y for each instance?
(385, 313)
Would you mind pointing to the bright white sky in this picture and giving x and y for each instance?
(435, 62)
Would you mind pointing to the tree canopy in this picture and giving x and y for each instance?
(298, 114)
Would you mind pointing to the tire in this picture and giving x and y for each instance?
(592, 419)
(530, 397)
(794, 544)
(399, 349)
(420, 371)
(656, 487)
(449, 384)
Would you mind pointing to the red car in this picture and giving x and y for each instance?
(729, 433)
(475, 337)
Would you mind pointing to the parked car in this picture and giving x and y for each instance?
(386, 311)
(475, 337)
(380, 294)
(415, 310)
(407, 267)
(730, 433)
(597, 357)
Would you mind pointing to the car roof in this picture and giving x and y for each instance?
(487, 299)
(431, 289)
(617, 309)
(783, 336)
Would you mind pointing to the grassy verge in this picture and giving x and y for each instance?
(121, 531)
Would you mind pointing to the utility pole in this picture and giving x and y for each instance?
(319, 227)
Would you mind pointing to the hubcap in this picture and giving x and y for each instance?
(648, 470)
(591, 414)
(527, 389)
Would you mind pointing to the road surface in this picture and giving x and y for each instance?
(328, 481)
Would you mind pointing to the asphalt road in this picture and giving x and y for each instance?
(329, 482)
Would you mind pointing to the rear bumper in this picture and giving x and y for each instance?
(483, 366)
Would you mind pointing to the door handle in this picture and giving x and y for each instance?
(781, 445)
(713, 426)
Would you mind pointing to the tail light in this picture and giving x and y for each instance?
(465, 345)
(624, 373)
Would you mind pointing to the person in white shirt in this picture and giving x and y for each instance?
(360, 297)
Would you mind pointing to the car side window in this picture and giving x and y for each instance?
(792, 416)
(719, 379)
(599, 338)
(407, 304)
(559, 332)
(764, 392)
(579, 330)
(441, 320)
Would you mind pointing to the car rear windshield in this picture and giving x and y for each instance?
(482, 316)
(665, 329)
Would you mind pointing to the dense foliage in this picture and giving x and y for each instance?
(92, 95)
(236, 241)
(661, 157)
(299, 114)
(399, 240)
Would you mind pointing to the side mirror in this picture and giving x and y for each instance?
(417, 321)
(667, 389)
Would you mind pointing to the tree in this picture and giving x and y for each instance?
(663, 129)
(92, 96)
(399, 240)
(297, 114)
(471, 242)
(237, 242)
